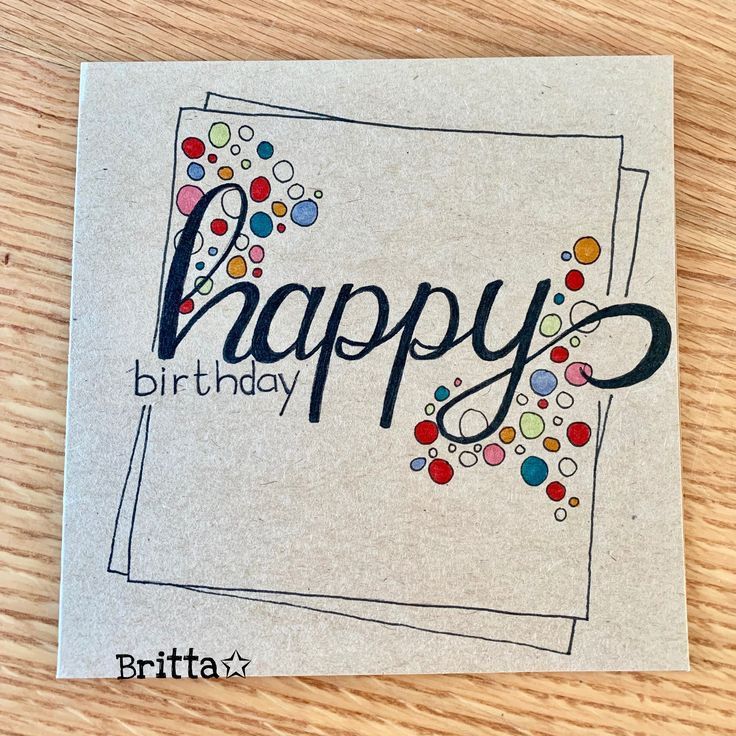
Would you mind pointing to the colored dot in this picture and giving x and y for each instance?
(219, 134)
(283, 171)
(578, 433)
(566, 255)
(543, 382)
(531, 425)
(551, 444)
(281, 227)
(195, 171)
(586, 250)
(542, 403)
(567, 466)
(418, 463)
(279, 209)
(426, 432)
(574, 280)
(235, 149)
(556, 491)
(187, 198)
(225, 173)
(506, 435)
(564, 400)
(192, 147)
(245, 132)
(295, 191)
(441, 393)
(186, 306)
(494, 454)
(440, 471)
(212, 158)
(203, 285)
(577, 374)
(318, 194)
(256, 254)
(237, 267)
(574, 501)
(199, 265)
(261, 225)
(574, 341)
(560, 514)
(559, 354)
(264, 150)
(218, 226)
(550, 325)
(304, 213)
(558, 298)
(260, 189)
(212, 251)
(245, 163)
(534, 471)
(458, 382)
(257, 273)
(429, 410)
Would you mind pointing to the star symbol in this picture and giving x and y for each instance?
(235, 664)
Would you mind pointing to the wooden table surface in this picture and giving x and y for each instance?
(41, 45)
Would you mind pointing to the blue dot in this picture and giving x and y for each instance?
(543, 382)
(261, 225)
(418, 463)
(212, 251)
(441, 393)
(264, 149)
(566, 255)
(195, 171)
(559, 298)
(199, 265)
(304, 213)
(534, 471)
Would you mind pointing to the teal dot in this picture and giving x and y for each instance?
(559, 298)
(534, 471)
(199, 265)
(264, 149)
(441, 393)
(261, 225)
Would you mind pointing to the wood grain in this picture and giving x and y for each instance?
(41, 46)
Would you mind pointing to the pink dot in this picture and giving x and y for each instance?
(256, 254)
(187, 198)
(458, 381)
(577, 374)
(494, 454)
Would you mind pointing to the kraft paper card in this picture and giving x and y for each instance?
(373, 369)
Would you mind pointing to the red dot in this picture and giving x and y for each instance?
(578, 433)
(212, 158)
(440, 471)
(192, 147)
(186, 306)
(218, 226)
(574, 280)
(257, 273)
(559, 354)
(426, 432)
(556, 491)
(281, 227)
(259, 189)
(542, 403)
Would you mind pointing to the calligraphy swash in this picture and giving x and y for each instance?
(398, 393)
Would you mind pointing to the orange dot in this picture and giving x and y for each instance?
(237, 267)
(507, 435)
(586, 250)
(225, 172)
(279, 209)
(551, 444)
(574, 501)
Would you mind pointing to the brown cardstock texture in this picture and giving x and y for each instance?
(334, 394)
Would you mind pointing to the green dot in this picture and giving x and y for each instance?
(318, 194)
(531, 425)
(429, 410)
(245, 163)
(203, 285)
(574, 341)
(219, 134)
(550, 325)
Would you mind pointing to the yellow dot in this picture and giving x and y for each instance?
(237, 267)
(574, 501)
(225, 172)
(551, 444)
(279, 209)
(586, 250)
(507, 435)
